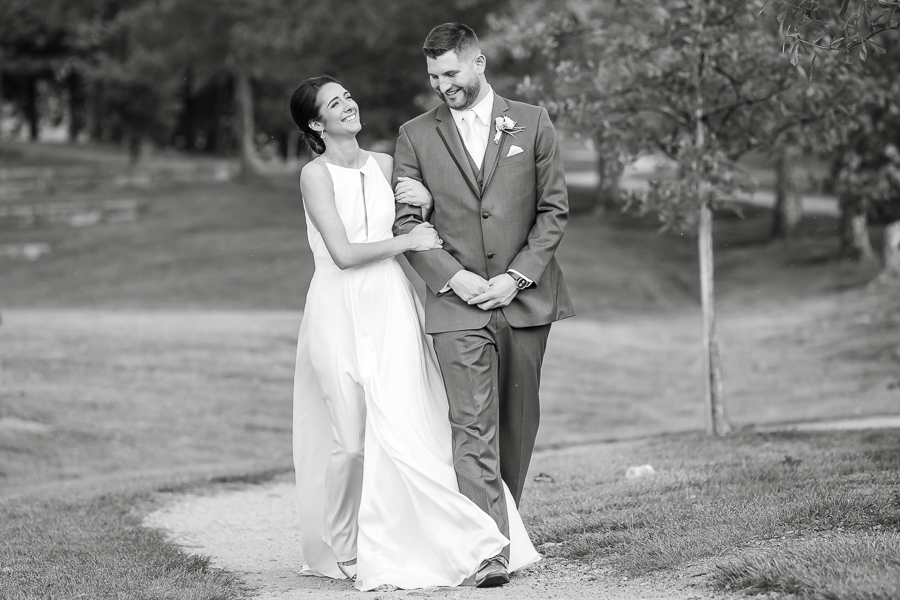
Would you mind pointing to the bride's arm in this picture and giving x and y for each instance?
(318, 195)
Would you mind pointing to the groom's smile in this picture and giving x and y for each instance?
(458, 98)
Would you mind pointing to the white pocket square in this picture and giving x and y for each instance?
(513, 150)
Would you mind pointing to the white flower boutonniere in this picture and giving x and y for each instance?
(505, 125)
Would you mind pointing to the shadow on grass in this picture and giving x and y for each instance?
(239, 479)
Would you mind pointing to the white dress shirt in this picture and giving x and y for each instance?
(480, 116)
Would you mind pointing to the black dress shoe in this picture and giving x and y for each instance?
(492, 573)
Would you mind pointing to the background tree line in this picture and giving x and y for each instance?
(211, 76)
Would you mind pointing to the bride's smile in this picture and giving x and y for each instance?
(339, 113)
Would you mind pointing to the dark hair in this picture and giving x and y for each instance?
(305, 108)
(450, 36)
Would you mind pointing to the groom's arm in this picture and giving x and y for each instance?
(552, 204)
(405, 165)
(435, 267)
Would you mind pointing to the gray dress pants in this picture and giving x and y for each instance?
(492, 376)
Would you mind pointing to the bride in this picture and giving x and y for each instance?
(379, 501)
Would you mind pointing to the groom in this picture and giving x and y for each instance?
(500, 205)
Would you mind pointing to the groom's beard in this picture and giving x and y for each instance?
(464, 98)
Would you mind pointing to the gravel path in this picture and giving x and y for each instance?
(253, 531)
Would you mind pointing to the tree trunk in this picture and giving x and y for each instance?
(95, 102)
(1, 83)
(891, 272)
(2, 408)
(855, 242)
(75, 87)
(188, 117)
(31, 108)
(213, 133)
(245, 122)
(716, 421)
(135, 143)
(788, 201)
(293, 144)
(283, 139)
(609, 173)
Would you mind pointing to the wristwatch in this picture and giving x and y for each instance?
(521, 282)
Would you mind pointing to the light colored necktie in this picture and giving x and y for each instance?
(473, 141)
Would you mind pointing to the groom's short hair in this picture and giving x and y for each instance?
(450, 37)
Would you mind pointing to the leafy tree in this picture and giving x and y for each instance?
(134, 88)
(861, 131)
(698, 81)
(536, 41)
(377, 54)
(39, 48)
(867, 160)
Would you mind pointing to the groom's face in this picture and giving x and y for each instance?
(456, 79)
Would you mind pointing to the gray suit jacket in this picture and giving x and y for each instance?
(515, 220)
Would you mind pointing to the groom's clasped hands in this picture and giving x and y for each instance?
(487, 294)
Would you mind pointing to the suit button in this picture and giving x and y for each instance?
(485, 215)
(490, 255)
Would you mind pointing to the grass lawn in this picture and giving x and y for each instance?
(158, 354)
(800, 515)
(816, 515)
(125, 393)
(96, 548)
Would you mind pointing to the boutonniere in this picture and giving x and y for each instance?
(505, 125)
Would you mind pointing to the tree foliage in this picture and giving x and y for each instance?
(852, 47)
(634, 81)
(849, 30)
(41, 44)
(701, 82)
(174, 70)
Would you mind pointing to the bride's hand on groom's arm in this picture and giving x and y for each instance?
(423, 237)
(412, 192)
(501, 292)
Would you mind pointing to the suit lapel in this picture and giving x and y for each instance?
(450, 135)
(492, 154)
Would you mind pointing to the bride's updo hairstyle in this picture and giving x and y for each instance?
(305, 108)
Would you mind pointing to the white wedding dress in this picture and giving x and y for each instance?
(415, 528)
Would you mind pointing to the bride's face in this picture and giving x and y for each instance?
(339, 114)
